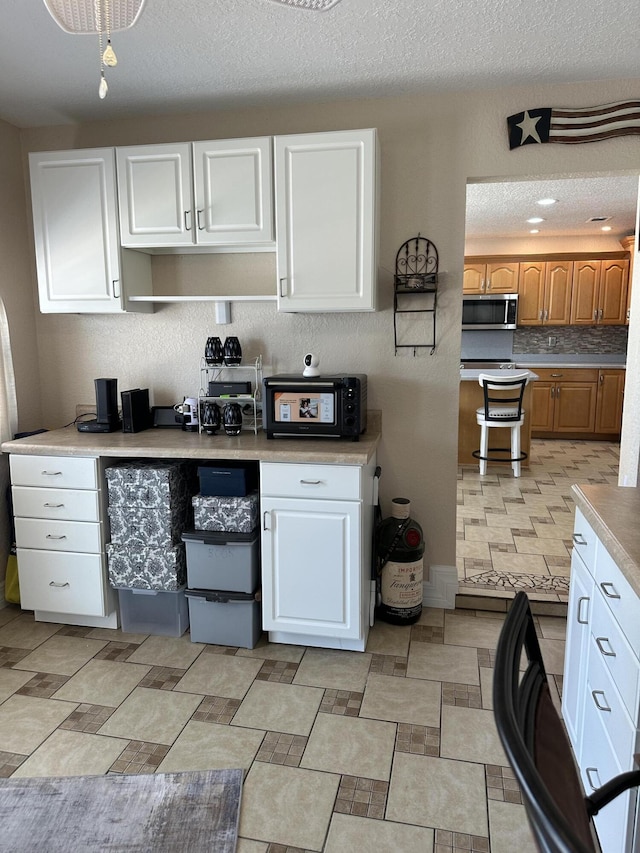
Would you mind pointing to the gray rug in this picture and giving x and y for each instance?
(159, 812)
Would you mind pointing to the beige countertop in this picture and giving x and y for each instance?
(177, 444)
(613, 512)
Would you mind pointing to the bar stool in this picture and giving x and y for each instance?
(502, 408)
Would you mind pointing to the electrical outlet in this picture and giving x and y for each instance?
(552, 341)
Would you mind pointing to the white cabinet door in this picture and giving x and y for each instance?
(155, 195)
(311, 567)
(233, 191)
(75, 224)
(326, 223)
(577, 646)
(216, 193)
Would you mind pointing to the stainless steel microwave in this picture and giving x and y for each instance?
(490, 311)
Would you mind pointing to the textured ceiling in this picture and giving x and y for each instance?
(502, 209)
(202, 54)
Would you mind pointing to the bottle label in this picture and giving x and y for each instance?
(401, 584)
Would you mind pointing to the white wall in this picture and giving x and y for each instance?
(430, 147)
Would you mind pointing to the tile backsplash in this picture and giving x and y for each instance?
(573, 340)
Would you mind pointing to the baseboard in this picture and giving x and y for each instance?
(441, 588)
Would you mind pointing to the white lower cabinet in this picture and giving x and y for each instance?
(601, 683)
(317, 526)
(60, 537)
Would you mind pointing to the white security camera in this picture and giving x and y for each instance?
(311, 363)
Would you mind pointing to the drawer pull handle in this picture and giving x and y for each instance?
(595, 694)
(579, 610)
(52, 473)
(53, 536)
(61, 585)
(579, 539)
(310, 482)
(599, 643)
(53, 506)
(589, 771)
(613, 594)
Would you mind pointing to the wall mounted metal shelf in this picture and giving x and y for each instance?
(415, 294)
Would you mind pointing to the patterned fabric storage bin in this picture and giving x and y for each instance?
(142, 527)
(144, 484)
(231, 514)
(147, 567)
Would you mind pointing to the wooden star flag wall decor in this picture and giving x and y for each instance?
(587, 124)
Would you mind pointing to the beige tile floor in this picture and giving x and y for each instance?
(393, 749)
(515, 533)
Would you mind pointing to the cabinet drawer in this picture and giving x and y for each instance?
(617, 656)
(53, 535)
(603, 703)
(62, 582)
(335, 482)
(66, 472)
(619, 596)
(584, 541)
(566, 374)
(68, 504)
(598, 765)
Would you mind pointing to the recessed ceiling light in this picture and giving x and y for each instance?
(534, 220)
(534, 231)
(606, 228)
(546, 201)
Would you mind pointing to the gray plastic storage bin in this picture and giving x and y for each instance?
(150, 611)
(227, 561)
(224, 618)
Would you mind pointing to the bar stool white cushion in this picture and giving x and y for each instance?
(502, 408)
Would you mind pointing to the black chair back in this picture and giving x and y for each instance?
(497, 395)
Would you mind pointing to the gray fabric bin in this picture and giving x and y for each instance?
(225, 561)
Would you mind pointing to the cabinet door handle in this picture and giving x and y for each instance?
(553, 391)
(578, 539)
(579, 610)
(595, 694)
(282, 290)
(541, 315)
(51, 473)
(52, 536)
(198, 212)
(595, 315)
(187, 226)
(310, 482)
(613, 594)
(488, 284)
(600, 641)
(115, 284)
(600, 313)
(589, 771)
(60, 585)
(53, 506)
(265, 515)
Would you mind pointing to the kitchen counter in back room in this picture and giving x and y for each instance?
(471, 398)
(179, 444)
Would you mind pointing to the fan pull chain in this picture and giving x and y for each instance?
(109, 56)
(103, 88)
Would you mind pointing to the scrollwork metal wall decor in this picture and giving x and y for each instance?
(416, 274)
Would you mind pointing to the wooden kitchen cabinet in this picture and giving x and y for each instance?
(213, 193)
(317, 524)
(326, 221)
(629, 243)
(583, 402)
(610, 401)
(600, 292)
(544, 293)
(80, 265)
(490, 277)
(564, 401)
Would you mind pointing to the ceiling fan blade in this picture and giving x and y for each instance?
(314, 5)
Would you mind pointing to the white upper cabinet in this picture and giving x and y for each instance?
(326, 222)
(80, 265)
(181, 195)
